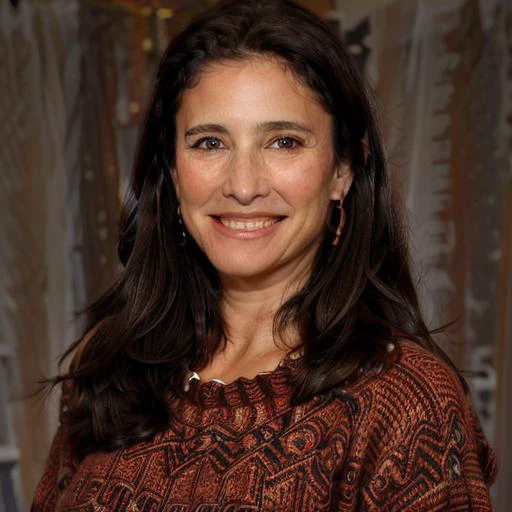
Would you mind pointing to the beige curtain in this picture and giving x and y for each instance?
(36, 48)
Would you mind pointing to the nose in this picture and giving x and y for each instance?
(246, 178)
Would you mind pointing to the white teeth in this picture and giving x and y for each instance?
(246, 224)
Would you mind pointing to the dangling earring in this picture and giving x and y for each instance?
(341, 223)
(183, 240)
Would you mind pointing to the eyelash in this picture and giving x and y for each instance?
(198, 143)
(296, 142)
(204, 140)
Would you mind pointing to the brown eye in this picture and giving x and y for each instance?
(208, 144)
(286, 143)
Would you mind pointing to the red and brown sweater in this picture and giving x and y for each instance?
(401, 438)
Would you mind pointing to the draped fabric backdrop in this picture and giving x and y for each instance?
(74, 77)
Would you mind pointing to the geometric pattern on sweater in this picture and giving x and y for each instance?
(400, 438)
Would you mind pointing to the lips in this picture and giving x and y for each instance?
(246, 222)
(247, 225)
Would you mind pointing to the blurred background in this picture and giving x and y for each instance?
(74, 80)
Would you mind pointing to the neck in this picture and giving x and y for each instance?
(249, 309)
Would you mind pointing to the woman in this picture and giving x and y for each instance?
(263, 348)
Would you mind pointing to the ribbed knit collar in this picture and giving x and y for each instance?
(272, 388)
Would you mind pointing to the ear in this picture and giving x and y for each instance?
(341, 182)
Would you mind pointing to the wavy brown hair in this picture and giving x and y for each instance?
(162, 316)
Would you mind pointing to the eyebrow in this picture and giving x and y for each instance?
(282, 125)
(205, 128)
(261, 127)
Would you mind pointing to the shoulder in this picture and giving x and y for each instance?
(75, 355)
(415, 393)
(415, 415)
(413, 383)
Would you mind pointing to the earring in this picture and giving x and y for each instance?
(341, 223)
(183, 240)
(367, 154)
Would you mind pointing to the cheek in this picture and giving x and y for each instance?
(194, 183)
(309, 183)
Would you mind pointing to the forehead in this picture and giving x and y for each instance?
(263, 85)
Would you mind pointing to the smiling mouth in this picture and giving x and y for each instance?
(248, 225)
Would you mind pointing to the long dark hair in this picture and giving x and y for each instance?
(162, 315)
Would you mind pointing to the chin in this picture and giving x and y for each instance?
(247, 271)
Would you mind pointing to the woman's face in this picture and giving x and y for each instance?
(255, 173)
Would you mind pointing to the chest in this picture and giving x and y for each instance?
(290, 462)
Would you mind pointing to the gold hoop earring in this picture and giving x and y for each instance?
(341, 224)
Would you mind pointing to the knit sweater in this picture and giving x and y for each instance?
(401, 437)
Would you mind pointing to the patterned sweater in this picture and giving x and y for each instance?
(402, 437)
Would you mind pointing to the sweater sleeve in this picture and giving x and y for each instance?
(432, 467)
(420, 446)
(59, 466)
